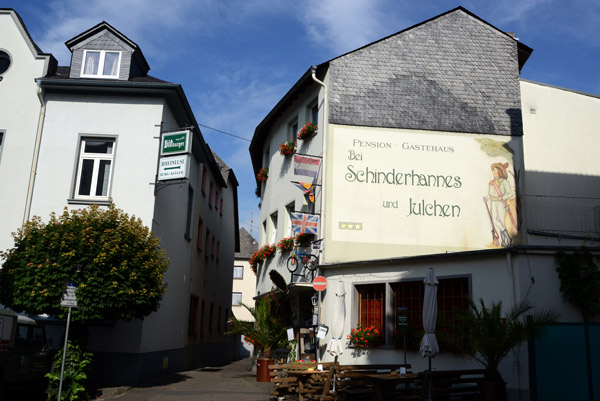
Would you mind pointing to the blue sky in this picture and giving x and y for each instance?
(236, 58)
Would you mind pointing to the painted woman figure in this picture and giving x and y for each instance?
(502, 206)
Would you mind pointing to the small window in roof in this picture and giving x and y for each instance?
(101, 64)
(4, 61)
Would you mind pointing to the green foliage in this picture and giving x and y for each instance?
(268, 329)
(580, 281)
(76, 366)
(492, 335)
(121, 265)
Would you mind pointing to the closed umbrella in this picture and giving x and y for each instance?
(335, 346)
(429, 344)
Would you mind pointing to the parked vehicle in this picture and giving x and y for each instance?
(24, 353)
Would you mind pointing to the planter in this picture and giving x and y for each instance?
(263, 374)
(492, 390)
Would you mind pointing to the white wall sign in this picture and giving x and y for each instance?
(430, 191)
(173, 167)
(69, 299)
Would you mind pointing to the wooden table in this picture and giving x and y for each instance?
(303, 375)
(381, 379)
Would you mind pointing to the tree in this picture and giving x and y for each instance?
(114, 261)
(580, 281)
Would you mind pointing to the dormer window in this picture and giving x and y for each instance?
(100, 64)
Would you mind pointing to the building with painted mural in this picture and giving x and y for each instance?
(431, 152)
(90, 133)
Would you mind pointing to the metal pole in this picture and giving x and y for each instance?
(62, 369)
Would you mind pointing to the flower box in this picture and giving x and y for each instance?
(286, 244)
(307, 131)
(263, 174)
(287, 148)
(365, 337)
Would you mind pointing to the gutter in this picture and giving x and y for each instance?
(36, 155)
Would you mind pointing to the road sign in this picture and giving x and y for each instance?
(69, 300)
(319, 283)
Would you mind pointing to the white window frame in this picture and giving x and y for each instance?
(2, 138)
(97, 158)
(100, 64)
(233, 295)
(240, 269)
(289, 208)
(293, 128)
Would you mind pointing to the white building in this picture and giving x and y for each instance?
(244, 285)
(412, 130)
(90, 132)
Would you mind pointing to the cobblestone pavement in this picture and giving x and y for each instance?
(232, 382)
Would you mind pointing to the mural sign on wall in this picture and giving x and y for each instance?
(413, 188)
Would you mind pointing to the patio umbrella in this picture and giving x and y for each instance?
(335, 346)
(429, 345)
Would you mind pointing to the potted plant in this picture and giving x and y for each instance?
(365, 337)
(287, 148)
(307, 131)
(286, 244)
(263, 174)
(491, 335)
(265, 333)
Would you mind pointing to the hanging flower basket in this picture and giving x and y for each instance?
(255, 259)
(268, 250)
(287, 148)
(365, 337)
(286, 244)
(304, 238)
(307, 131)
(263, 174)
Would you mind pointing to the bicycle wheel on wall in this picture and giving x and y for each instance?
(310, 262)
(292, 264)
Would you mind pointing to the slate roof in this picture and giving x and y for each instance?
(247, 245)
(454, 72)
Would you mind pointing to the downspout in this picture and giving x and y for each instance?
(515, 300)
(36, 154)
(323, 179)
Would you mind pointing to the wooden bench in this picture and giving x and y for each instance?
(459, 384)
(290, 384)
(351, 383)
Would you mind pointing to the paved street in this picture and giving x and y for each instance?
(233, 382)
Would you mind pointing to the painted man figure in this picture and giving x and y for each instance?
(502, 206)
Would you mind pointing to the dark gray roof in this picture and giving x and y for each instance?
(63, 72)
(247, 245)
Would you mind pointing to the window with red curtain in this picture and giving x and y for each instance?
(371, 305)
(408, 306)
(202, 320)
(204, 178)
(200, 227)
(193, 316)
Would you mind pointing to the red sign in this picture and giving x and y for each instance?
(319, 283)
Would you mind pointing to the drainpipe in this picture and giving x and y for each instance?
(323, 179)
(36, 154)
(517, 361)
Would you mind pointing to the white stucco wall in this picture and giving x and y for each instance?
(19, 116)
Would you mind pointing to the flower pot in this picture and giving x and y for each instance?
(263, 374)
(492, 390)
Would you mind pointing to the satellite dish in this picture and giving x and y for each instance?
(279, 281)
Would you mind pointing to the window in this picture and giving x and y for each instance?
(204, 178)
(264, 231)
(199, 241)
(293, 129)
(236, 298)
(212, 247)
(218, 249)
(220, 206)
(100, 64)
(94, 168)
(314, 113)
(193, 316)
(288, 218)
(371, 305)
(4, 62)
(207, 243)
(190, 213)
(408, 301)
(202, 320)
(210, 194)
(1, 140)
(216, 199)
(238, 272)
(273, 235)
